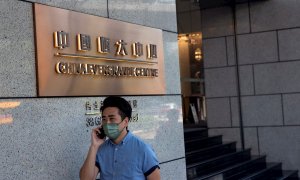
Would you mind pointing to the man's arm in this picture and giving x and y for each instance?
(89, 170)
(155, 175)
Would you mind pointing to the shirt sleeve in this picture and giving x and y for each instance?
(97, 163)
(150, 162)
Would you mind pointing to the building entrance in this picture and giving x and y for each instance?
(192, 78)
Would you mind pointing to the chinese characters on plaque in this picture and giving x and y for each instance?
(84, 43)
(61, 41)
(93, 114)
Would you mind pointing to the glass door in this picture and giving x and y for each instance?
(192, 78)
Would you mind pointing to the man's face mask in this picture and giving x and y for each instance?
(112, 130)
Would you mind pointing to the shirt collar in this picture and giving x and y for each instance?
(127, 137)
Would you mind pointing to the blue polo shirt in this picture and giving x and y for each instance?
(131, 159)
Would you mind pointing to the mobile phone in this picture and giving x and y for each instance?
(102, 134)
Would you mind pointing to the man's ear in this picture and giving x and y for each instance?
(126, 120)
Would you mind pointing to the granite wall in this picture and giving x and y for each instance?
(48, 138)
(268, 39)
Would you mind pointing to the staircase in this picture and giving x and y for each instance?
(211, 159)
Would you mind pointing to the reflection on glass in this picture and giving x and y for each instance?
(7, 105)
(7, 118)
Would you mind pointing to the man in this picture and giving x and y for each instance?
(122, 156)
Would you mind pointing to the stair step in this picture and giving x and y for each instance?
(200, 143)
(210, 152)
(217, 164)
(207, 158)
(257, 163)
(193, 126)
(194, 133)
(289, 175)
(237, 170)
(272, 171)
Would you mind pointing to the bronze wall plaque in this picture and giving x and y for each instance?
(85, 55)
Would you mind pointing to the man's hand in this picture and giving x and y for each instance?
(88, 169)
(95, 140)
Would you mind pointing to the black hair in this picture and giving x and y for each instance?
(124, 107)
